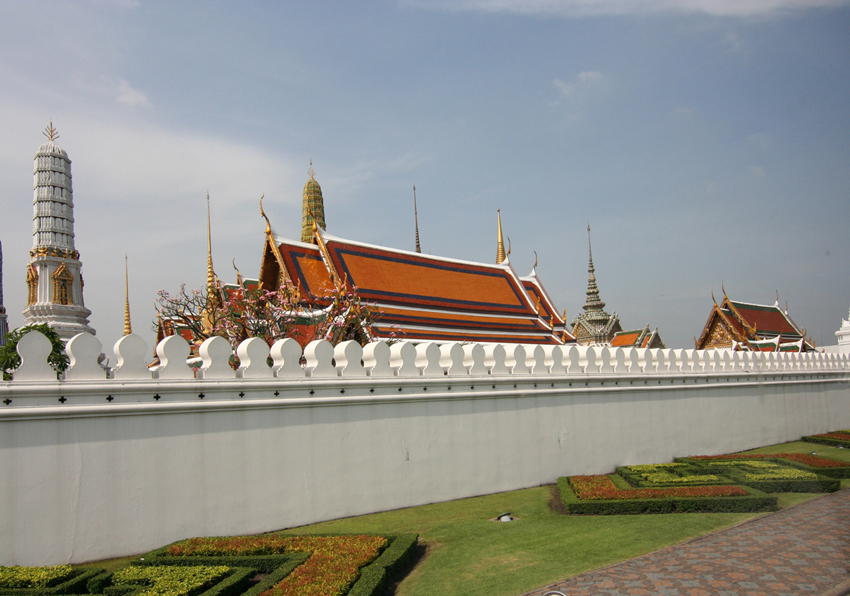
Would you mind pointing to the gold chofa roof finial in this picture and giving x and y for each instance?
(500, 243)
(416, 220)
(51, 133)
(128, 328)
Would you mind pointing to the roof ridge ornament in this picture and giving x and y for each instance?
(128, 328)
(51, 133)
(500, 243)
(416, 220)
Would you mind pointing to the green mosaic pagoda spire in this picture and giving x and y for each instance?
(312, 203)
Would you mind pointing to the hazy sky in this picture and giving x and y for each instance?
(707, 142)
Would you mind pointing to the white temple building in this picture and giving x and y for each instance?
(54, 279)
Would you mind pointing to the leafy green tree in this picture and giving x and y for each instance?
(10, 359)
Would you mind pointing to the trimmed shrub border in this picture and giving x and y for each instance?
(371, 579)
(737, 469)
(838, 438)
(76, 584)
(810, 463)
(753, 500)
(648, 476)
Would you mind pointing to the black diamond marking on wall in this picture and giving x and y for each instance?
(494, 386)
(157, 396)
(62, 399)
(241, 394)
(276, 393)
(312, 392)
(449, 387)
(109, 398)
(399, 388)
(201, 396)
(342, 390)
(535, 385)
(7, 401)
(514, 385)
(372, 390)
(424, 389)
(472, 386)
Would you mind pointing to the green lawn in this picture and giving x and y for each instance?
(467, 554)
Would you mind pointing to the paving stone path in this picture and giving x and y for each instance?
(797, 551)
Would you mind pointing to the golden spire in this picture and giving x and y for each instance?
(416, 219)
(500, 243)
(51, 133)
(128, 328)
(211, 286)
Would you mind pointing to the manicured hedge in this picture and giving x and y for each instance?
(374, 578)
(371, 579)
(818, 464)
(787, 478)
(75, 583)
(754, 500)
(669, 475)
(839, 438)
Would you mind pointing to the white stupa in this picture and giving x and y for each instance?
(54, 280)
(843, 335)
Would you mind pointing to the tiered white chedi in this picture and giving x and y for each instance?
(843, 335)
(54, 280)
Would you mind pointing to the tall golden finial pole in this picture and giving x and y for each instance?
(500, 243)
(128, 328)
(416, 220)
(211, 286)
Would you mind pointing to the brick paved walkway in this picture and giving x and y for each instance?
(800, 550)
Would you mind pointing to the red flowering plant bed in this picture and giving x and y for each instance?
(816, 464)
(838, 438)
(298, 565)
(605, 495)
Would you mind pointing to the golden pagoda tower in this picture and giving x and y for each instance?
(313, 205)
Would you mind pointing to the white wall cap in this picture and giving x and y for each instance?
(130, 352)
(83, 351)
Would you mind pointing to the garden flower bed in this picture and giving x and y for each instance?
(778, 473)
(838, 438)
(612, 495)
(268, 565)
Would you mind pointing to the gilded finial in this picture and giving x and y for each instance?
(416, 220)
(238, 273)
(723, 288)
(310, 171)
(51, 133)
(128, 328)
(263, 214)
(211, 285)
(500, 244)
(509, 246)
(535, 260)
(713, 299)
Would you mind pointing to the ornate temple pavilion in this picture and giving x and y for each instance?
(638, 338)
(420, 297)
(751, 327)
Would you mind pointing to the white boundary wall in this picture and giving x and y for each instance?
(92, 468)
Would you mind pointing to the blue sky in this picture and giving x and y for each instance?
(706, 142)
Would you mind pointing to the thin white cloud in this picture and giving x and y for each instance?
(583, 8)
(582, 81)
(127, 95)
(757, 171)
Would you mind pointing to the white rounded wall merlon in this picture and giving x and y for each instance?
(401, 359)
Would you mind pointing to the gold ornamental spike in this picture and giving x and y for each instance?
(416, 220)
(128, 328)
(500, 243)
(211, 286)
